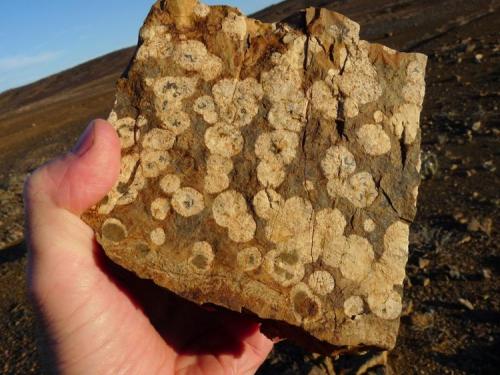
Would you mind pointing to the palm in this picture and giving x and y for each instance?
(101, 319)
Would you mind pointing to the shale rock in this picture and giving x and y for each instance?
(268, 168)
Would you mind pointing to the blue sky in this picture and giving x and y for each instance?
(43, 37)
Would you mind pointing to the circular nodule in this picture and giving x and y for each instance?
(305, 304)
(170, 183)
(374, 140)
(353, 306)
(160, 208)
(154, 162)
(228, 206)
(202, 256)
(113, 230)
(224, 140)
(369, 225)
(249, 259)
(387, 308)
(321, 282)
(188, 202)
(159, 139)
(157, 236)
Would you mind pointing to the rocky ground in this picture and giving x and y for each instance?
(451, 323)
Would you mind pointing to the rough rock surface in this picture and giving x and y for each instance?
(268, 168)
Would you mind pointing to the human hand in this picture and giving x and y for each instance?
(98, 318)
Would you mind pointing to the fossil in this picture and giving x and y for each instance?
(268, 167)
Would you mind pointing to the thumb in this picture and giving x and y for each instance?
(58, 192)
(82, 177)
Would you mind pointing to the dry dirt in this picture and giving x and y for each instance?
(452, 314)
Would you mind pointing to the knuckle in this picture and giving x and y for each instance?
(34, 186)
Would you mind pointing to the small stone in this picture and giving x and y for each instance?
(157, 236)
(430, 165)
(455, 273)
(486, 273)
(476, 126)
(465, 239)
(465, 302)
(487, 225)
(489, 165)
(238, 186)
(474, 225)
(407, 307)
(478, 57)
(423, 263)
(422, 321)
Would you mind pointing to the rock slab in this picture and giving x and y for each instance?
(268, 168)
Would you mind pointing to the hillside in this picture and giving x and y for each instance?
(452, 313)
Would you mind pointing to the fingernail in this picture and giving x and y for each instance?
(85, 141)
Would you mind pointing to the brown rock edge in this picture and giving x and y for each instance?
(269, 168)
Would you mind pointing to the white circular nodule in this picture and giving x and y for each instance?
(369, 225)
(188, 202)
(159, 139)
(266, 203)
(216, 183)
(227, 206)
(357, 259)
(284, 267)
(170, 183)
(202, 256)
(321, 282)
(201, 10)
(350, 108)
(249, 259)
(405, 122)
(378, 116)
(223, 91)
(160, 208)
(242, 228)
(205, 106)
(154, 162)
(224, 140)
(217, 164)
(142, 121)
(288, 115)
(359, 189)
(176, 122)
(339, 162)
(192, 55)
(277, 146)
(353, 306)
(157, 236)
(374, 140)
(387, 307)
(322, 99)
(270, 174)
(330, 223)
(235, 25)
(395, 255)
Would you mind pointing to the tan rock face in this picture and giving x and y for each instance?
(268, 168)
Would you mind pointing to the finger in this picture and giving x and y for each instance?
(256, 346)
